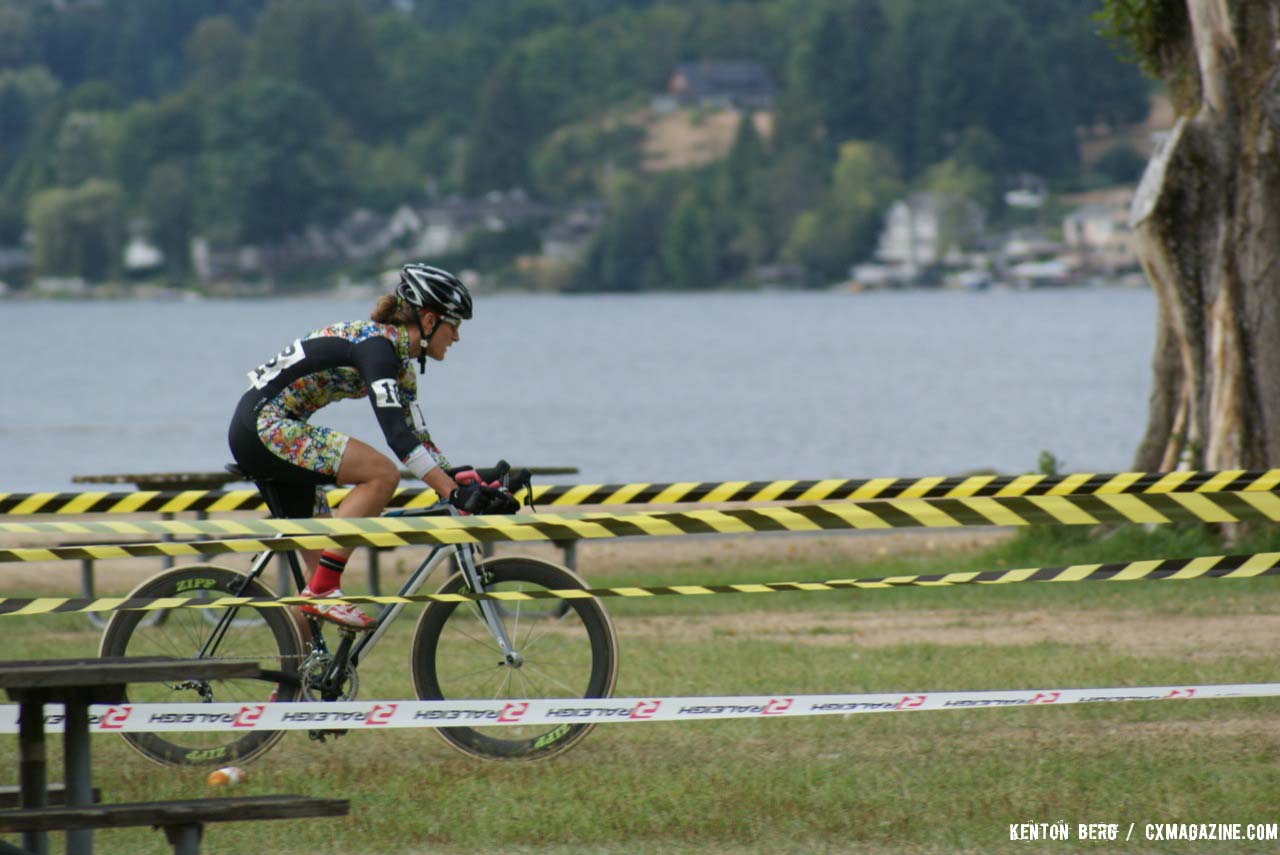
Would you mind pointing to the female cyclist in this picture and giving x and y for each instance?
(271, 437)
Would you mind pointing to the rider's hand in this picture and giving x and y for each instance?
(491, 477)
(467, 476)
(480, 499)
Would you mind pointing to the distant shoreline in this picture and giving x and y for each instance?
(160, 294)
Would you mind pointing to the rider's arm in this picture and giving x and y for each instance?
(375, 359)
(437, 479)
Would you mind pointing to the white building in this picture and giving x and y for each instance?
(1098, 236)
(921, 231)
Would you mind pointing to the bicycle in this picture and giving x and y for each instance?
(483, 649)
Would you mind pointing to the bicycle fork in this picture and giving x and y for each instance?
(488, 609)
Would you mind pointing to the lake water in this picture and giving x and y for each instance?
(627, 388)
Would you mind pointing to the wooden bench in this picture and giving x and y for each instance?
(182, 821)
(11, 795)
(77, 684)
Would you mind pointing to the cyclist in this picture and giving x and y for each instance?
(271, 435)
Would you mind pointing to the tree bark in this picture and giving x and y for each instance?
(1206, 220)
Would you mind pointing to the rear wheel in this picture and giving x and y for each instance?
(269, 637)
(563, 654)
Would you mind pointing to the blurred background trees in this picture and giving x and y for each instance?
(247, 121)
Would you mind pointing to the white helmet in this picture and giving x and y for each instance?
(436, 290)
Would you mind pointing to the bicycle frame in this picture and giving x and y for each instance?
(351, 652)
(463, 555)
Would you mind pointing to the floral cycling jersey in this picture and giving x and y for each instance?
(346, 360)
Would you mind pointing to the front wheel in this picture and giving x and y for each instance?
(268, 636)
(563, 654)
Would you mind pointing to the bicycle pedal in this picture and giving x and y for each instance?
(322, 735)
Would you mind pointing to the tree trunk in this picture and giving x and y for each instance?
(1206, 220)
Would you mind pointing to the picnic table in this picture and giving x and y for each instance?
(77, 684)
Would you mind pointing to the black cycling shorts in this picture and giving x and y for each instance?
(298, 491)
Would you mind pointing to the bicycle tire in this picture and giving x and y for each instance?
(271, 636)
(574, 655)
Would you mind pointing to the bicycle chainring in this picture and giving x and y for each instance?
(313, 671)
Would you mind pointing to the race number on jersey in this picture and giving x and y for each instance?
(268, 371)
(385, 393)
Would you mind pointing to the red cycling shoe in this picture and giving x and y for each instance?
(343, 614)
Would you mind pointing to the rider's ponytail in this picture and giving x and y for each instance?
(392, 310)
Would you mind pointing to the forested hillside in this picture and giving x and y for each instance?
(249, 123)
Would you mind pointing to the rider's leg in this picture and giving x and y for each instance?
(374, 479)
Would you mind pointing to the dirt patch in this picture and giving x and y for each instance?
(1121, 631)
(683, 139)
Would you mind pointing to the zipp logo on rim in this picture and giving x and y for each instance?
(248, 715)
(513, 711)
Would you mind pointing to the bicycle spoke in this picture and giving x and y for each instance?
(486, 641)
(569, 692)
(488, 669)
(506, 680)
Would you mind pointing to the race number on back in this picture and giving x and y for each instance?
(268, 371)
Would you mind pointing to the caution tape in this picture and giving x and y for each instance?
(1155, 570)
(384, 715)
(858, 489)
(329, 533)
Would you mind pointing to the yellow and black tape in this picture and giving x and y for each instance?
(893, 513)
(856, 489)
(1154, 570)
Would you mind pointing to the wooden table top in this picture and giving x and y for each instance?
(117, 671)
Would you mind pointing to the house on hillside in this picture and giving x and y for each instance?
(14, 260)
(446, 225)
(1099, 237)
(567, 238)
(739, 84)
(921, 231)
(364, 233)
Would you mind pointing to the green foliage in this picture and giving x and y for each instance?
(1121, 164)
(622, 258)
(1048, 464)
(507, 123)
(158, 132)
(272, 162)
(248, 120)
(168, 204)
(328, 48)
(81, 148)
(843, 227)
(690, 243)
(576, 160)
(1151, 30)
(79, 231)
(215, 53)
(839, 71)
(24, 93)
(494, 249)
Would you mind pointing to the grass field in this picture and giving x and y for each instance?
(921, 783)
